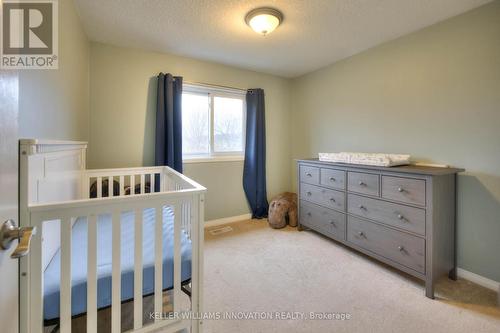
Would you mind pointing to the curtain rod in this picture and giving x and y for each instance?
(215, 85)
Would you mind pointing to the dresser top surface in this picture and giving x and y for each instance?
(411, 169)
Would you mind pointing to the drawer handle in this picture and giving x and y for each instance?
(401, 248)
(361, 207)
(332, 199)
(401, 217)
(309, 194)
(309, 214)
(308, 174)
(361, 234)
(400, 189)
(332, 179)
(361, 183)
(332, 222)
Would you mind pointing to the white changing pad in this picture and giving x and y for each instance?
(386, 160)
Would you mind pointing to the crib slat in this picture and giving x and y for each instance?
(184, 219)
(110, 187)
(138, 269)
(199, 227)
(197, 220)
(178, 213)
(158, 261)
(152, 183)
(86, 187)
(65, 295)
(163, 179)
(187, 218)
(122, 185)
(99, 187)
(142, 183)
(116, 274)
(190, 222)
(36, 280)
(92, 274)
(195, 273)
(184, 215)
(187, 225)
(132, 184)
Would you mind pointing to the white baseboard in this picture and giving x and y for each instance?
(478, 279)
(226, 220)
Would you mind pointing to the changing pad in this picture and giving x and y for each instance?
(375, 159)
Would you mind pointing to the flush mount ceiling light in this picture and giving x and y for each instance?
(264, 20)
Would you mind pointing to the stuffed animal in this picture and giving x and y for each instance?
(116, 189)
(137, 188)
(283, 208)
(105, 189)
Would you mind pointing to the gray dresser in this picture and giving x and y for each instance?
(402, 216)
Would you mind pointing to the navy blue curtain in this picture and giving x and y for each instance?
(168, 145)
(254, 170)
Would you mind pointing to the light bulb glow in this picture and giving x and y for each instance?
(264, 20)
(264, 23)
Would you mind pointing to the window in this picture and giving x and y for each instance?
(213, 123)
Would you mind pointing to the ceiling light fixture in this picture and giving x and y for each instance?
(264, 20)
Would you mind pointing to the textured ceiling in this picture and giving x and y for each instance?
(314, 33)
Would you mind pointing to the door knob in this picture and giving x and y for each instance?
(9, 232)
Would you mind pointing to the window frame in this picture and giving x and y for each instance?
(212, 92)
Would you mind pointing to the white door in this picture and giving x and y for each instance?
(9, 281)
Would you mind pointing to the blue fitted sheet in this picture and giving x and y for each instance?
(104, 268)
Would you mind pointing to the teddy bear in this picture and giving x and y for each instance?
(283, 208)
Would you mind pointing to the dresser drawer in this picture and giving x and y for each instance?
(401, 216)
(397, 246)
(328, 198)
(322, 219)
(332, 178)
(366, 183)
(309, 174)
(404, 189)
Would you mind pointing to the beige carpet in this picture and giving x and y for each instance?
(255, 268)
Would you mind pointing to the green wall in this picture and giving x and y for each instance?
(122, 120)
(54, 104)
(434, 94)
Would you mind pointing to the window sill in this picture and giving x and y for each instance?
(213, 159)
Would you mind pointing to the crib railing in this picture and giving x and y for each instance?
(184, 196)
(132, 181)
(142, 180)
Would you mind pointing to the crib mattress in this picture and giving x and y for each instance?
(104, 267)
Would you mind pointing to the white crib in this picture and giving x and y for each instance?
(55, 194)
